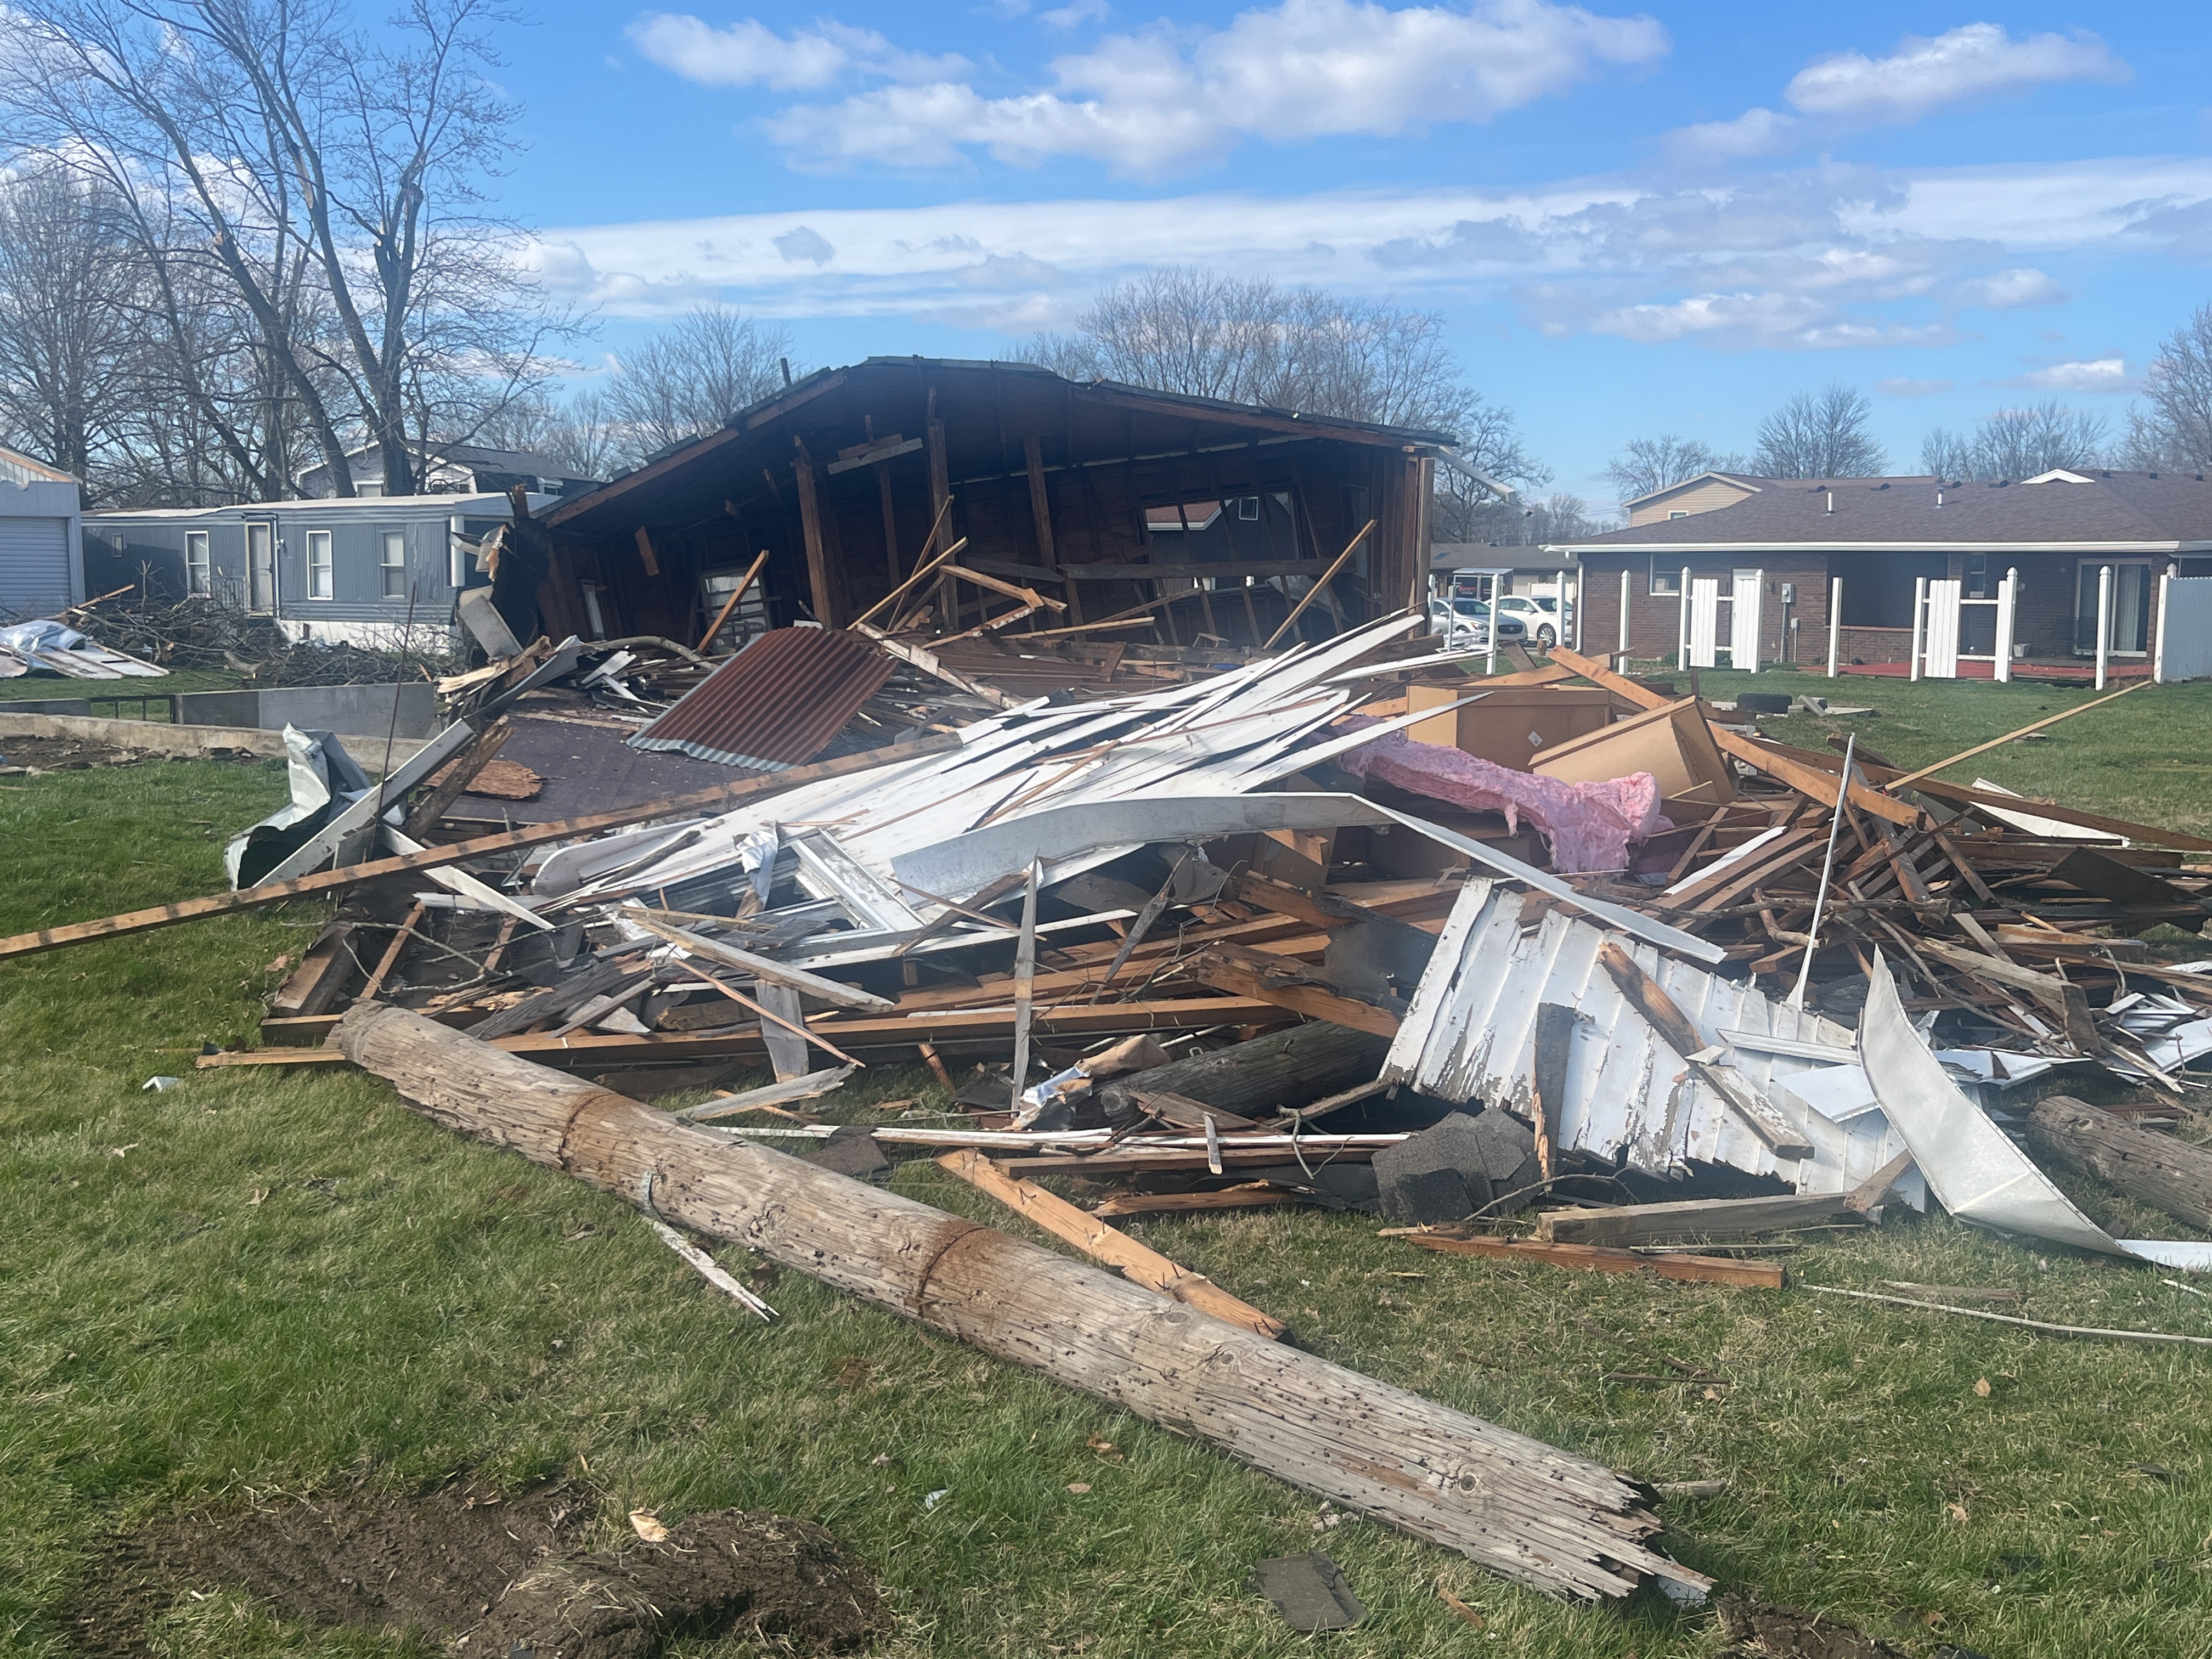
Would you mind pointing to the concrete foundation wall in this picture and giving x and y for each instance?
(323, 708)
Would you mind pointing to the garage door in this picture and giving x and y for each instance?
(34, 567)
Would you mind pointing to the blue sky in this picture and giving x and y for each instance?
(1635, 221)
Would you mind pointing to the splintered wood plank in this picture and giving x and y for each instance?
(1592, 1258)
(720, 798)
(1101, 1242)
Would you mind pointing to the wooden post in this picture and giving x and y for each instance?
(890, 522)
(645, 551)
(1524, 1509)
(821, 579)
(940, 494)
(2168, 1173)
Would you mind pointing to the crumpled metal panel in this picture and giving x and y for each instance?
(775, 704)
(1470, 1035)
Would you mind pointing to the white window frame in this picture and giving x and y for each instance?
(199, 574)
(1663, 584)
(322, 574)
(385, 565)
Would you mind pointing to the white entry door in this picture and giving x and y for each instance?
(1941, 657)
(1744, 619)
(1705, 620)
(261, 569)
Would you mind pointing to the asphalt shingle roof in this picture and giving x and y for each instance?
(2111, 507)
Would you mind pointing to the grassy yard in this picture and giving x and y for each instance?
(267, 1284)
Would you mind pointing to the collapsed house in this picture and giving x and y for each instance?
(1141, 518)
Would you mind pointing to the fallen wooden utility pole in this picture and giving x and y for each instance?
(719, 800)
(2168, 1173)
(1527, 1510)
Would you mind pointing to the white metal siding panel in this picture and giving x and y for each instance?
(34, 566)
(1469, 1034)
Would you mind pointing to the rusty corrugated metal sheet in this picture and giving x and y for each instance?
(778, 702)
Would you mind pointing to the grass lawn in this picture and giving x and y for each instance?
(259, 1284)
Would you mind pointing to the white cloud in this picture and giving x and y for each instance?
(1148, 103)
(750, 53)
(1900, 386)
(1758, 132)
(2104, 375)
(2010, 290)
(1925, 73)
(1077, 13)
(1800, 259)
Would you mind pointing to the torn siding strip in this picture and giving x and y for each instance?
(1469, 1035)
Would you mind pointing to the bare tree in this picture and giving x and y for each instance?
(2018, 443)
(327, 181)
(1244, 340)
(68, 321)
(1819, 435)
(1646, 465)
(578, 434)
(691, 378)
(1538, 522)
(2174, 432)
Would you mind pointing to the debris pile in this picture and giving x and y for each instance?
(1611, 982)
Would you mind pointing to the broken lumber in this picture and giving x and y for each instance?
(720, 799)
(1258, 1079)
(1649, 998)
(2167, 1174)
(1591, 1258)
(1528, 1510)
(1101, 1242)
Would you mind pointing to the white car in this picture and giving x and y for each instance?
(1463, 624)
(1539, 615)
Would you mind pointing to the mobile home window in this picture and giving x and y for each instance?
(1665, 578)
(197, 577)
(393, 565)
(319, 583)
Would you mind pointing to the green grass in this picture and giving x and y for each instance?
(266, 1284)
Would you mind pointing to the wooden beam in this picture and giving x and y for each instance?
(1649, 998)
(1320, 588)
(1911, 778)
(645, 551)
(1284, 982)
(459, 774)
(821, 579)
(1101, 1242)
(719, 800)
(1592, 1258)
(731, 604)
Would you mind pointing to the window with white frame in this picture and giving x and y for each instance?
(197, 577)
(320, 584)
(1665, 578)
(391, 564)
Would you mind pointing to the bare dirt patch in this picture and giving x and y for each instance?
(510, 1574)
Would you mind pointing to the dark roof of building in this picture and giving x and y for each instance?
(2103, 509)
(980, 404)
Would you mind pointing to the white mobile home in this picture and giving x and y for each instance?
(350, 570)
